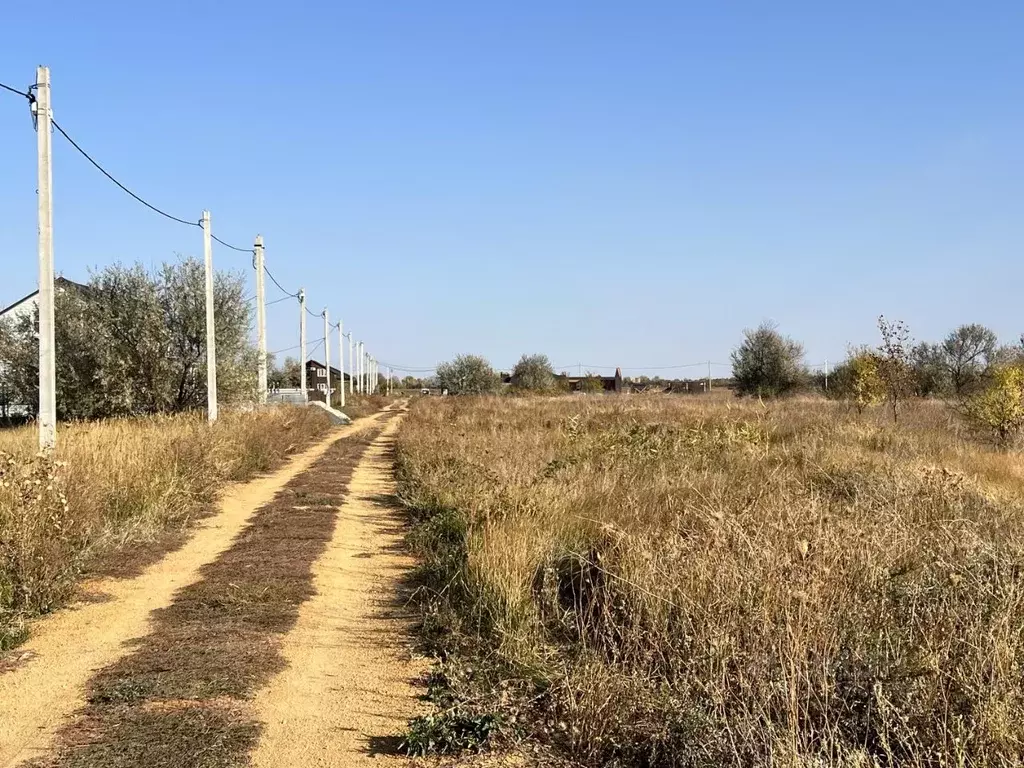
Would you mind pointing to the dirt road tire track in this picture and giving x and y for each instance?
(347, 692)
(68, 647)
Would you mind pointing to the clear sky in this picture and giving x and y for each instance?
(605, 182)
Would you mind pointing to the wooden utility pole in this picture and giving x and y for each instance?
(261, 320)
(302, 343)
(327, 353)
(211, 333)
(47, 363)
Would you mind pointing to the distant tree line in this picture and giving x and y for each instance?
(982, 379)
(132, 342)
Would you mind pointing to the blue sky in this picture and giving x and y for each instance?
(611, 183)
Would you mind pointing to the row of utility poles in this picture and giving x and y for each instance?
(364, 371)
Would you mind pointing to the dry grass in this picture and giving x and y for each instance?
(116, 485)
(671, 581)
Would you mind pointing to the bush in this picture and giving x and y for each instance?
(768, 364)
(1000, 408)
(533, 373)
(467, 375)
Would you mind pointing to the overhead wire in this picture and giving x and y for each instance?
(60, 129)
(24, 94)
(275, 282)
(106, 173)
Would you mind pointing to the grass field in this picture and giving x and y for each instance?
(660, 581)
(114, 487)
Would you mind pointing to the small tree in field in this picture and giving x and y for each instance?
(1000, 408)
(768, 364)
(533, 373)
(894, 366)
(467, 375)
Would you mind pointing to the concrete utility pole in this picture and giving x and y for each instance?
(826, 374)
(709, 375)
(261, 320)
(389, 380)
(211, 332)
(341, 360)
(351, 364)
(327, 353)
(47, 363)
(362, 367)
(302, 343)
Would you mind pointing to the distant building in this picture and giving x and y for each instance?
(608, 383)
(317, 381)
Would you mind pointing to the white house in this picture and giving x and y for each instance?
(26, 307)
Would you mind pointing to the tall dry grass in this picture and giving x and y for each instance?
(668, 581)
(116, 484)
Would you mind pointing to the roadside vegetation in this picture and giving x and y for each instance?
(115, 487)
(683, 581)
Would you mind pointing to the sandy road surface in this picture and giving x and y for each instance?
(69, 646)
(348, 690)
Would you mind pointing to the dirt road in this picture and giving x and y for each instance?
(162, 670)
(348, 691)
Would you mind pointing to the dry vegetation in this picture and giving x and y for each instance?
(667, 581)
(115, 485)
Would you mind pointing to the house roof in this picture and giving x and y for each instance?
(62, 281)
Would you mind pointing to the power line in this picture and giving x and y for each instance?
(286, 349)
(274, 280)
(15, 90)
(102, 170)
(228, 245)
(278, 301)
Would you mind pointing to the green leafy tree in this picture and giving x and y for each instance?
(768, 364)
(134, 342)
(931, 370)
(467, 375)
(969, 350)
(533, 373)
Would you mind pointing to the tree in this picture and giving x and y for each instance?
(134, 342)
(894, 367)
(1000, 407)
(533, 373)
(288, 376)
(931, 370)
(969, 351)
(867, 386)
(768, 364)
(467, 375)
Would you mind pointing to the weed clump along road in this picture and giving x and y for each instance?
(662, 581)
